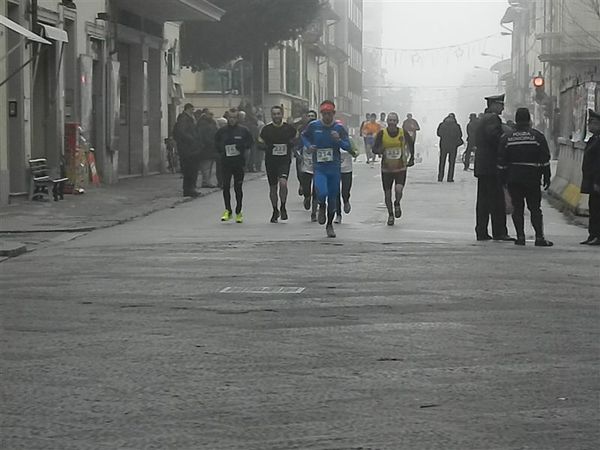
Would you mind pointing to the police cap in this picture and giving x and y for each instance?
(495, 98)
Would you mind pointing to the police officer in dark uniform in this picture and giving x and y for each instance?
(490, 194)
(523, 159)
(590, 183)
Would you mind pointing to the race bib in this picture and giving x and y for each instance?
(231, 150)
(324, 155)
(280, 150)
(393, 153)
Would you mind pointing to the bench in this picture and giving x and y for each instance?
(42, 179)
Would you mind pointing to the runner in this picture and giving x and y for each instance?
(369, 131)
(233, 143)
(346, 177)
(398, 153)
(278, 138)
(324, 138)
(310, 196)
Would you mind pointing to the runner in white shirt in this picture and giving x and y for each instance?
(310, 197)
(346, 181)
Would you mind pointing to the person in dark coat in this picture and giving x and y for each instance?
(524, 161)
(471, 132)
(207, 128)
(450, 135)
(490, 193)
(590, 183)
(186, 137)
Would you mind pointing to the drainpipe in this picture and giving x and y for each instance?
(4, 175)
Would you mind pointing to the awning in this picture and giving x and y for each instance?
(22, 31)
(161, 11)
(53, 33)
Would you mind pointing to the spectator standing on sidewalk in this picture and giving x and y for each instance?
(411, 126)
(186, 137)
(590, 183)
(471, 132)
(450, 135)
(207, 128)
(523, 160)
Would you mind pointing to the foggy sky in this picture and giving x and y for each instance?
(425, 24)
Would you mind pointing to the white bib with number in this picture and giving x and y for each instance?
(393, 153)
(280, 149)
(324, 155)
(231, 150)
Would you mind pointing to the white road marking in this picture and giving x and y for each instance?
(262, 290)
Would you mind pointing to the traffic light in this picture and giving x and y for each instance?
(539, 85)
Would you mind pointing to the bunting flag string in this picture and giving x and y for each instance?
(432, 55)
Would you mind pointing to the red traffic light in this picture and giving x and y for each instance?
(538, 81)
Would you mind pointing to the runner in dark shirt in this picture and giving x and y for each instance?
(278, 138)
(233, 142)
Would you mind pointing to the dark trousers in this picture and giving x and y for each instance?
(345, 192)
(189, 170)
(490, 202)
(450, 155)
(299, 173)
(306, 181)
(594, 205)
(237, 173)
(530, 193)
(219, 171)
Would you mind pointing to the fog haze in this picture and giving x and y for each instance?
(432, 47)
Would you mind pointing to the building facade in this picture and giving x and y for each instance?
(558, 40)
(108, 74)
(325, 62)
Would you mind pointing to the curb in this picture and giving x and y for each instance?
(568, 213)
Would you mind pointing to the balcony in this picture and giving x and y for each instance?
(559, 48)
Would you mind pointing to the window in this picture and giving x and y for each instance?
(214, 80)
(355, 58)
(292, 71)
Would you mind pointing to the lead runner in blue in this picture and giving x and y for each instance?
(323, 139)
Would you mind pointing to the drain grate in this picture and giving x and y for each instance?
(262, 290)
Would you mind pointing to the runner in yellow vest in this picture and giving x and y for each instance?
(398, 153)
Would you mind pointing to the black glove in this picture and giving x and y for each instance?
(546, 179)
(546, 182)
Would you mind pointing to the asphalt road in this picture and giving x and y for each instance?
(176, 331)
